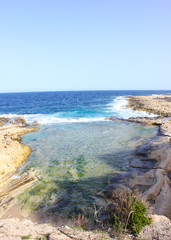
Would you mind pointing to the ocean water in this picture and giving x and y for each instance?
(59, 107)
(75, 151)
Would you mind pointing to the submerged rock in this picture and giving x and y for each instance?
(113, 189)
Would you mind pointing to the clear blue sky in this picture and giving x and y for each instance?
(85, 45)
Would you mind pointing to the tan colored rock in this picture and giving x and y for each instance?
(15, 229)
(12, 155)
(154, 156)
(159, 229)
(160, 105)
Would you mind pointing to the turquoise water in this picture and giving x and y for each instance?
(74, 162)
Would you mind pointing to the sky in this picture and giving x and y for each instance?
(57, 45)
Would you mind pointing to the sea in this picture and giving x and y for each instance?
(76, 150)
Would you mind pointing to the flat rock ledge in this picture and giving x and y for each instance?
(157, 104)
(12, 155)
(14, 229)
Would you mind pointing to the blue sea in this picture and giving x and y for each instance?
(68, 107)
(76, 151)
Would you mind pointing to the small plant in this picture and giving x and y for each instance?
(45, 237)
(80, 220)
(26, 237)
(125, 213)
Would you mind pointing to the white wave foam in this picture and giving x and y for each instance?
(119, 108)
(118, 104)
(52, 120)
(10, 115)
(46, 119)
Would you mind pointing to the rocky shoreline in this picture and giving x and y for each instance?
(14, 229)
(150, 168)
(12, 155)
(157, 104)
(149, 172)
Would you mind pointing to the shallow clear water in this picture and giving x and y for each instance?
(75, 161)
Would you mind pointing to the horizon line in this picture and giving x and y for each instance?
(41, 91)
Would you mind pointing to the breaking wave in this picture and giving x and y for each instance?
(52, 119)
(118, 107)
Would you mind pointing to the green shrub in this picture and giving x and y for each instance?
(137, 219)
(26, 237)
(125, 213)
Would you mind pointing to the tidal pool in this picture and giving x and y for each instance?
(74, 161)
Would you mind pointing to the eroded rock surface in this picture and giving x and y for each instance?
(150, 168)
(14, 229)
(159, 229)
(12, 155)
(159, 104)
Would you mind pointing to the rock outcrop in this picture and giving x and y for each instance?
(14, 229)
(150, 168)
(12, 155)
(158, 104)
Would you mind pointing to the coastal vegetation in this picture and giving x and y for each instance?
(125, 213)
